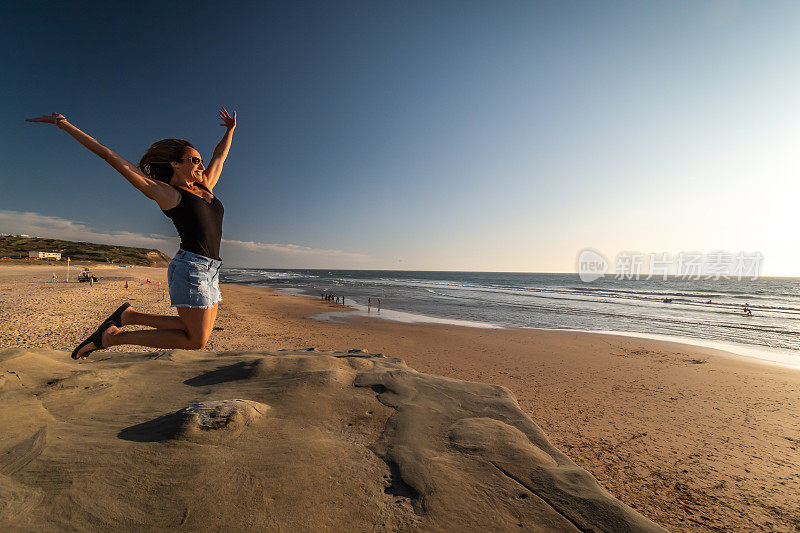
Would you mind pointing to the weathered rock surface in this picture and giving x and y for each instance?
(474, 460)
(205, 422)
(288, 440)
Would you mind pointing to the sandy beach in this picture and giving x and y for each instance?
(693, 439)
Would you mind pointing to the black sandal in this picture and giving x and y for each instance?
(116, 316)
(96, 338)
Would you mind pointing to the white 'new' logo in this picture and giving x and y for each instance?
(591, 265)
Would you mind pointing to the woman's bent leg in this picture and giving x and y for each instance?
(154, 338)
(135, 318)
(197, 325)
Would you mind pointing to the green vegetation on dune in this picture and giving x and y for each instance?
(14, 246)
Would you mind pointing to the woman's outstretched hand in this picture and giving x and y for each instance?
(55, 117)
(227, 120)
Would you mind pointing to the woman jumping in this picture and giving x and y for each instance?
(171, 173)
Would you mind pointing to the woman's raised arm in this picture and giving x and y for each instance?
(164, 195)
(214, 168)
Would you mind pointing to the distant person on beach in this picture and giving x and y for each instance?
(54, 278)
(172, 174)
(747, 311)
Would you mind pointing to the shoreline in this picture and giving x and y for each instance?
(765, 354)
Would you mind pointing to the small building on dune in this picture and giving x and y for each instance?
(45, 255)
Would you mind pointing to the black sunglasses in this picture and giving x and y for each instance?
(195, 160)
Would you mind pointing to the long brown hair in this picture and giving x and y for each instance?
(155, 161)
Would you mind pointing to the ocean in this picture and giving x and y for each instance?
(703, 309)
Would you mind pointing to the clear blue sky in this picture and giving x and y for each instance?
(417, 135)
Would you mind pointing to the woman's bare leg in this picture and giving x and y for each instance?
(134, 318)
(194, 329)
(193, 335)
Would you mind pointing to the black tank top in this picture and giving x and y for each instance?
(199, 223)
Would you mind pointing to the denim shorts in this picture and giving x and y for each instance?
(193, 281)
